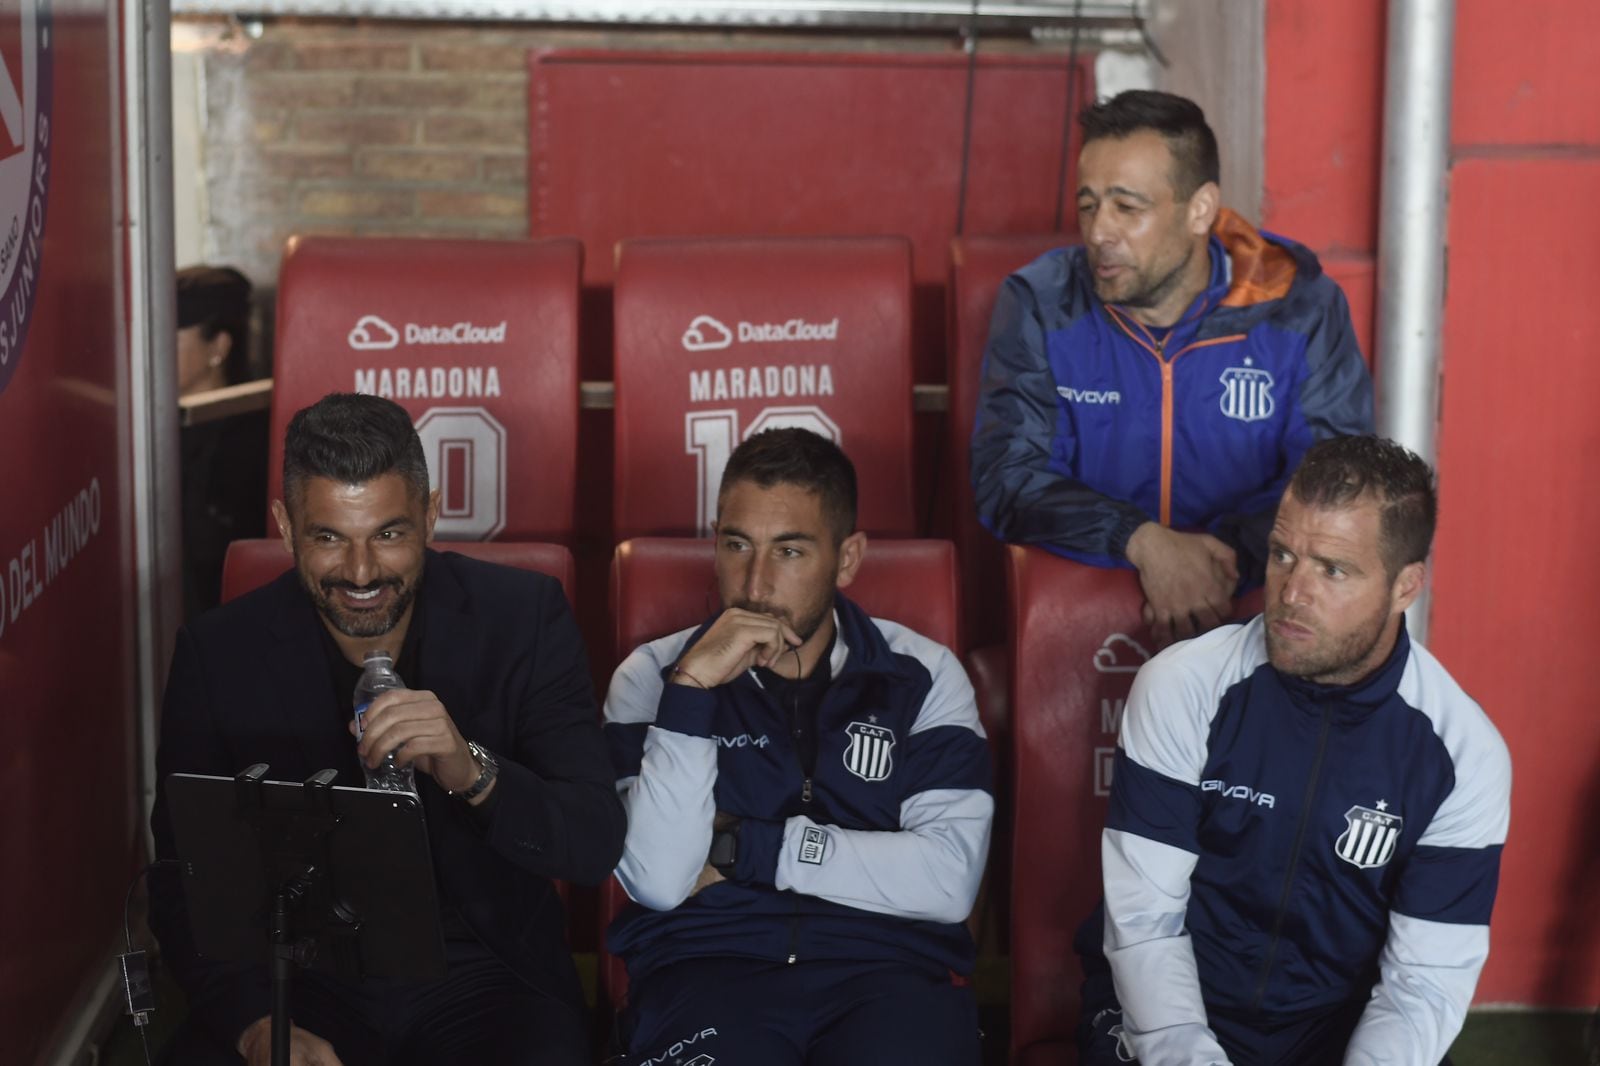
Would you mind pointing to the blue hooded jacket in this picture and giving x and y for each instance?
(1089, 425)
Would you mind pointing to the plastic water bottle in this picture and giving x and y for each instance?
(378, 676)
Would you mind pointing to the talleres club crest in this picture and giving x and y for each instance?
(1370, 836)
(870, 754)
(25, 90)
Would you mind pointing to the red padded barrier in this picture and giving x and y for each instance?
(250, 564)
(1077, 639)
(478, 340)
(660, 585)
(978, 266)
(719, 339)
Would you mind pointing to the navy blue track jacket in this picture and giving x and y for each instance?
(877, 856)
(1088, 425)
(1277, 848)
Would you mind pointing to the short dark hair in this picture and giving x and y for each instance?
(217, 299)
(352, 438)
(1339, 471)
(801, 458)
(1178, 119)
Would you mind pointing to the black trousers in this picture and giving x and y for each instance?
(479, 1013)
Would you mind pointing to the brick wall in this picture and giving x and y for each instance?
(402, 129)
(394, 128)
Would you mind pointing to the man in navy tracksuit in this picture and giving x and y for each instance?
(808, 801)
(1146, 394)
(1307, 812)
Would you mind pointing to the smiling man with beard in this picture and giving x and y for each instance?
(1146, 394)
(808, 801)
(499, 720)
(1307, 812)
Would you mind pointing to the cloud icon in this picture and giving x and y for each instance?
(373, 332)
(1120, 654)
(696, 340)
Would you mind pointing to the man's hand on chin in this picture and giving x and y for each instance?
(305, 1048)
(1188, 580)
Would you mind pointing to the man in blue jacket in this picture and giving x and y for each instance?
(808, 801)
(1307, 814)
(1146, 394)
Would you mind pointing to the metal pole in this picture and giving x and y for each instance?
(152, 333)
(1411, 229)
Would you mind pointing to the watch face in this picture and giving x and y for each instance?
(724, 850)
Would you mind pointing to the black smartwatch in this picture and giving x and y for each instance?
(724, 850)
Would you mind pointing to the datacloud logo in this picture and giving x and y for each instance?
(706, 334)
(25, 93)
(372, 333)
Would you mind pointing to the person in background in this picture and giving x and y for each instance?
(224, 461)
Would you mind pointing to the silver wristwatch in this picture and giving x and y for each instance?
(488, 770)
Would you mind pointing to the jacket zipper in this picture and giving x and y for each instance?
(1166, 431)
(805, 800)
(1294, 861)
(1159, 350)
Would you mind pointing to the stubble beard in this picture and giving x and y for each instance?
(1339, 661)
(362, 625)
(1150, 294)
(805, 628)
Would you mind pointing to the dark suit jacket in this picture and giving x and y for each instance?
(250, 683)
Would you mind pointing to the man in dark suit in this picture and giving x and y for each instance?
(499, 722)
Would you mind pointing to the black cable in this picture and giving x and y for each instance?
(1072, 108)
(127, 905)
(135, 973)
(966, 122)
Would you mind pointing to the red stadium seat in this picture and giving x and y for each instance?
(1077, 637)
(478, 340)
(978, 266)
(1076, 641)
(719, 339)
(660, 585)
(250, 564)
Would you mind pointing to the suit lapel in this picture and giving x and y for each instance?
(451, 643)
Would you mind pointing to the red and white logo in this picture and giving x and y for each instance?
(25, 87)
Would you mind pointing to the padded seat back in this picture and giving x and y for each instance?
(978, 267)
(477, 340)
(717, 339)
(1077, 639)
